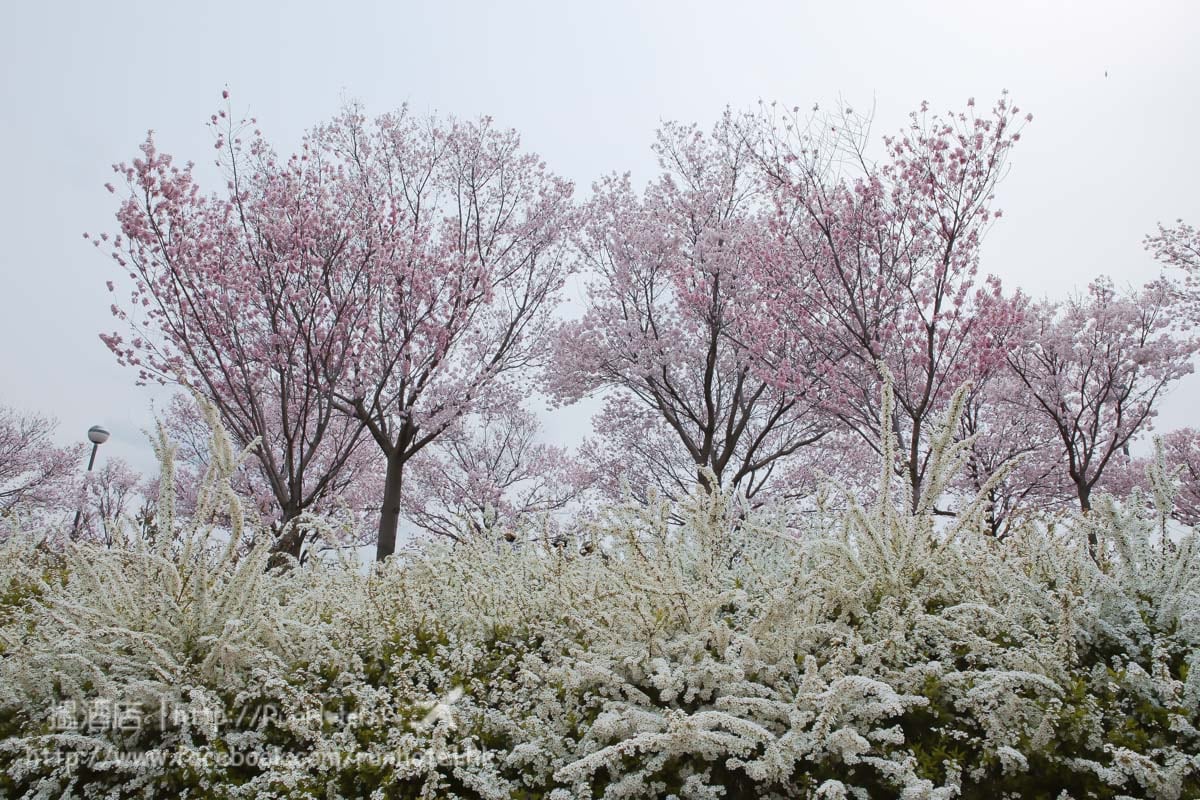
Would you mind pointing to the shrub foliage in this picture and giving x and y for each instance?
(878, 652)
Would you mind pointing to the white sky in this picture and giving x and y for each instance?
(1105, 158)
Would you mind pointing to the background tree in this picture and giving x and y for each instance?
(34, 472)
(1173, 464)
(487, 473)
(1008, 437)
(351, 513)
(879, 263)
(108, 494)
(670, 272)
(636, 454)
(1181, 450)
(188, 430)
(1095, 368)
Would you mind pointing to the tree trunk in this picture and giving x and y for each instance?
(389, 514)
(1085, 505)
(290, 541)
(1085, 496)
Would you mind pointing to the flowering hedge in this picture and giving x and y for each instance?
(876, 653)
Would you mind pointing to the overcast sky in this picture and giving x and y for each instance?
(586, 84)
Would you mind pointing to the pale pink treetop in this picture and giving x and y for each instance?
(1177, 246)
(465, 234)
(670, 272)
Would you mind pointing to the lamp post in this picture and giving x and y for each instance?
(97, 435)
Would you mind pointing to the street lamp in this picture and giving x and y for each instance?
(97, 435)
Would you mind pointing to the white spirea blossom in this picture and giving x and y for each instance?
(875, 652)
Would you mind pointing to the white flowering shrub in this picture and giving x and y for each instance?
(880, 653)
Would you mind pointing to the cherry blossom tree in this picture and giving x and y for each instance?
(1006, 437)
(488, 472)
(376, 285)
(1095, 368)
(229, 295)
(469, 234)
(35, 473)
(1181, 451)
(878, 272)
(670, 271)
(107, 495)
